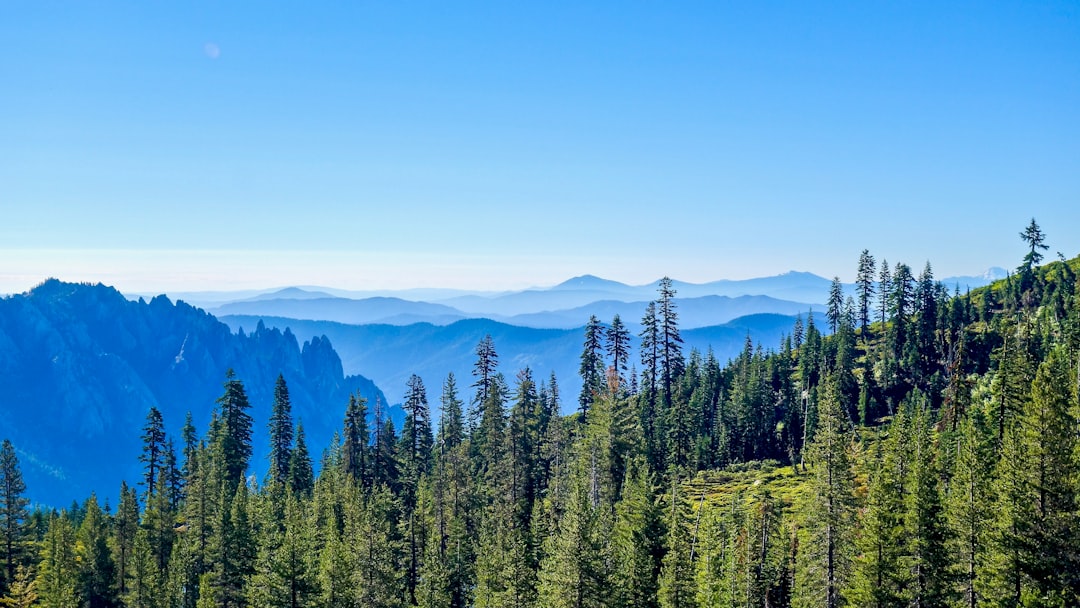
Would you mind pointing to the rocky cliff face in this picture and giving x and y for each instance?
(80, 366)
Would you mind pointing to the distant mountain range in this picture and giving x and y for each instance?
(81, 365)
(389, 354)
(535, 307)
(702, 311)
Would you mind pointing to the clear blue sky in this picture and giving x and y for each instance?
(217, 145)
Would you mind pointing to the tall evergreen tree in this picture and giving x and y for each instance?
(281, 432)
(617, 347)
(301, 475)
(927, 558)
(650, 363)
(484, 370)
(1035, 239)
(451, 422)
(831, 509)
(884, 289)
(835, 306)
(146, 587)
(284, 568)
(153, 453)
(575, 570)
(233, 442)
(671, 359)
(58, 574)
(97, 572)
(1050, 540)
(877, 578)
(415, 455)
(592, 365)
(864, 289)
(676, 589)
(969, 506)
(355, 434)
(13, 514)
(125, 528)
(637, 540)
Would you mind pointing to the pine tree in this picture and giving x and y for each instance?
(1051, 539)
(336, 568)
(233, 440)
(158, 522)
(636, 540)
(676, 588)
(835, 305)
(58, 574)
(97, 572)
(371, 532)
(191, 443)
(153, 454)
(436, 583)
(969, 505)
(650, 362)
(574, 572)
(415, 454)
(927, 558)
(484, 370)
(234, 557)
(144, 589)
(488, 439)
(284, 569)
(617, 347)
(864, 288)
(831, 509)
(592, 366)
(876, 575)
(1011, 382)
(383, 453)
(416, 434)
(452, 505)
(354, 451)
(451, 421)
(884, 289)
(281, 432)
(1003, 581)
(671, 359)
(125, 527)
(1034, 237)
(13, 514)
(301, 475)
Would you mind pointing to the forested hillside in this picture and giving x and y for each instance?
(924, 453)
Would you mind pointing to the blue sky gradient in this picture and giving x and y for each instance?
(211, 145)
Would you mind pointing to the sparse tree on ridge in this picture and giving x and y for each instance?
(1036, 241)
(864, 289)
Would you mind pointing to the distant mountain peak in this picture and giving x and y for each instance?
(588, 282)
(293, 293)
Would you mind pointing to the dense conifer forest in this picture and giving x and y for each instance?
(921, 452)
